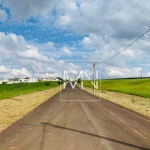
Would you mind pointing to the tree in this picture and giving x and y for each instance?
(61, 81)
(79, 80)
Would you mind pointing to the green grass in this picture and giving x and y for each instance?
(138, 87)
(12, 90)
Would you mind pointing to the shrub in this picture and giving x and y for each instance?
(79, 80)
(60, 82)
(47, 84)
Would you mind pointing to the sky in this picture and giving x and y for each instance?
(35, 36)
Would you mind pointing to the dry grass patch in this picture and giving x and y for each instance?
(14, 109)
(136, 103)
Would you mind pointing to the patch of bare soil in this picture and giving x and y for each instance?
(15, 108)
(136, 103)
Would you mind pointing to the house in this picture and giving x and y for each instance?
(28, 80)
(54, 79)
(44, 79)
(72, 79)
(18, 80)
(49, 79)
(12, 82)
(4, 81)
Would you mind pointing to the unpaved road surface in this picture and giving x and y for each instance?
(77, 120)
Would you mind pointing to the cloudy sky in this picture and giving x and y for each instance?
(35, 35)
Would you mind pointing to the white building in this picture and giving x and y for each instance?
(28, 80)
(4, 81)
(13, 82)
(50, 79)
(54, 79)
(25, 80)
(72, 79)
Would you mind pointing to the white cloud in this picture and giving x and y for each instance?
(13, 45)
(18, 53)
(3, 69)
(108, 26)
(123, 72)
(66, 51)
(7, 73)
(68, 7)
(93, 42)
(33, 54)
(28, 8)
(148, 74)
(128, 54)
(3, 15)
(47, 46)
(64, 21)
(12, 42)
(23, 72)
(115, 72)
(118, 18)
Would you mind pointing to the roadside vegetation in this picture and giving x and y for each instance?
(130, 93)
(15, 108)
(12, 90)
(138, 87)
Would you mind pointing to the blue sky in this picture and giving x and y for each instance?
(35, 35)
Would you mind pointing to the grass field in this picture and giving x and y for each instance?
(12, 90)
(138, 87)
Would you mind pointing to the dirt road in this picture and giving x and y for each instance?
(78, 121)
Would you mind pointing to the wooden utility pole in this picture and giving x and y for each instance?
(94, 78)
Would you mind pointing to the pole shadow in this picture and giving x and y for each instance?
(42, 124)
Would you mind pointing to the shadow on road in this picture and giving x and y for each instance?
(43, 138)
(90, 134)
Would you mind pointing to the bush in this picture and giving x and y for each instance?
(47, 84)
(60, 82)
(79, 80)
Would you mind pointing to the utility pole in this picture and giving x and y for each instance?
(95, 84)
(94, 78)
(141, 73)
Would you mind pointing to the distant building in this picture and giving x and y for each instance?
(18, 80)
(28, 80)
(72, 79)
(4, 81)
(44, 79)
(49, 79)
(12, 82)
(54, 79)
(23, 80)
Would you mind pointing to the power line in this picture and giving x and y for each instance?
(90, 70)
(126, 46)
(119, 51)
